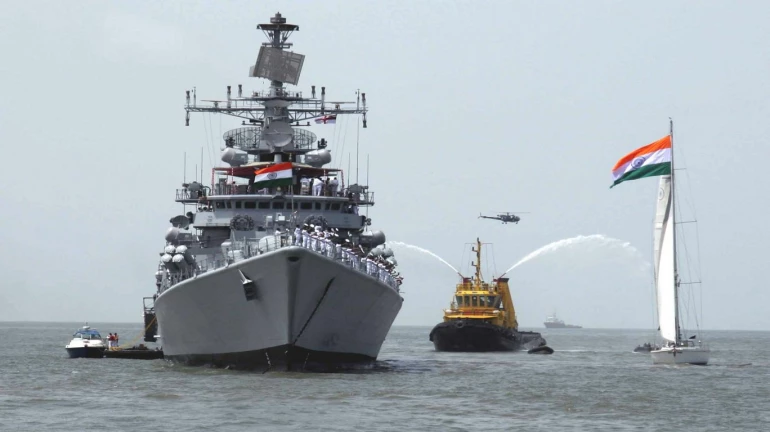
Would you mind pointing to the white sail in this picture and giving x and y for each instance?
(665, 261)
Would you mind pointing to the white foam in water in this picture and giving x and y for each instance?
(581, 240)
(421, 250)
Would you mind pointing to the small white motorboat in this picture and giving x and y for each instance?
(86, 342)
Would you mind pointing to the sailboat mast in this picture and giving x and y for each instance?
(673, 232)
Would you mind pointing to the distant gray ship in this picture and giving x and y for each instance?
(273, 267)
(553, 322)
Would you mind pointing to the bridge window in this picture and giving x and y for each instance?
(250, 205)
(220, 204)
(459, 300)
(318, 206)
(474, 301)
(229, 204)
(237, 204)
(263, 205)
(306, 206)
(278, 205)
(336, 206)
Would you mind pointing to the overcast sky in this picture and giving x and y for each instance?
(476, 106)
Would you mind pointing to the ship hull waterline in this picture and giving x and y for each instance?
(472, 336)
(289, 309)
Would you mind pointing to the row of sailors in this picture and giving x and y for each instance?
(318, 240)
(319, 186)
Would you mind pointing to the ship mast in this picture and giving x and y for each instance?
(278, 104)
(477, 264)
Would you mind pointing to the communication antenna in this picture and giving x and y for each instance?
(367, 181)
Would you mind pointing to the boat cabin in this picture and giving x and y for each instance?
(87, 334)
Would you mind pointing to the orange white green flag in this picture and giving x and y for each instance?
(276, 175)
(648, 161)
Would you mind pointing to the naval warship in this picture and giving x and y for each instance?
(273, 266)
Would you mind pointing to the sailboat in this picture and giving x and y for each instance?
(657, 159)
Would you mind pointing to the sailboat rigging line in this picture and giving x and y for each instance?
(690, 293)
(653, 287)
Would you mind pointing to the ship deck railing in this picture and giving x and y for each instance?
(242, 250)
(302, 194)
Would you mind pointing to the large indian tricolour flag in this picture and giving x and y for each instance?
(651, 160)
(276, 175)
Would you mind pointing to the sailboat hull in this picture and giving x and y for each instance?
(681, 355)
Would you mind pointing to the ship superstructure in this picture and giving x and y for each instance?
(273, 264)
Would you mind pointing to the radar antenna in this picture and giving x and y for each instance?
(278, 104)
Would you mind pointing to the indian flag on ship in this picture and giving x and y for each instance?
(276, 175)
(648, 161)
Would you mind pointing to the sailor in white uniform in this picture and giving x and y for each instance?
(322, 242)
(297, 236)
(317, 184)
(333, 185)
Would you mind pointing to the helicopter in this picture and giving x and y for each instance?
(504, 217)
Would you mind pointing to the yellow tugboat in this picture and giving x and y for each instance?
(482, 318)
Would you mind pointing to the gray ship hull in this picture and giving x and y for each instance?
(303, 311)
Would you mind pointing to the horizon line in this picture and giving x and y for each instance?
(395, 325)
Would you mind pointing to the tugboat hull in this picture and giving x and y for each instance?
(470, 336)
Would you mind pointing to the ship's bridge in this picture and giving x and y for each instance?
(477, 299)
(225, 187)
